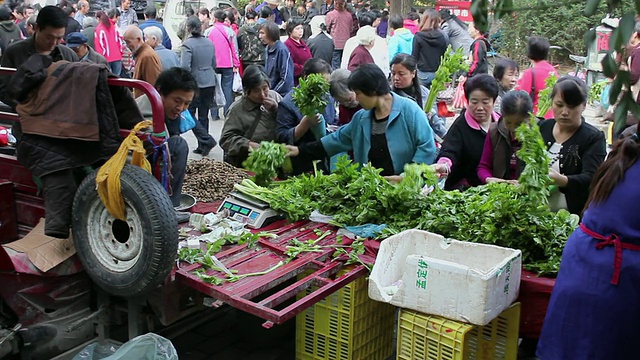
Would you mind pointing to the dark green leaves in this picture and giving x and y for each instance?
(310, 95)
(609, 66)
(591, 7)
(480, 12)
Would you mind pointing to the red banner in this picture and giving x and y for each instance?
(461, 9)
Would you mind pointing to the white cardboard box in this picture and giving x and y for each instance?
(459, 280)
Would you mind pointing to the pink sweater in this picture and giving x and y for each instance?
(223, 39)
(108, 43)
(541, 71)
(339, 25)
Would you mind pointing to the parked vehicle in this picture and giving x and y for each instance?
(174, 13)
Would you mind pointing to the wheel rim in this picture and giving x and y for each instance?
(116, 244)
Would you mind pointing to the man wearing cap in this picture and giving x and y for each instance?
(78, 43)
(273, 4)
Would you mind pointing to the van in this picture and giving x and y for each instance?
(174, 14)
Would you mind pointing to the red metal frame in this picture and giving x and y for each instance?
(260, 295)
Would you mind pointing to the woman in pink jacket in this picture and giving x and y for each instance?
(108, 42)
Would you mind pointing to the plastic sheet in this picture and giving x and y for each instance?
(144, 347)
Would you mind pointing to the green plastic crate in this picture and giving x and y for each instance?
(346, 325)
(425, 337)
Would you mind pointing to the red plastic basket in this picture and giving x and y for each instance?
(535, 293)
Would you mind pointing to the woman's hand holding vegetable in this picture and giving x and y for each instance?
(441, 169)
(394, 179)
(293, 151)
(253, 145)
(558, 179)
(306, 123)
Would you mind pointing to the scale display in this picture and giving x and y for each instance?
(249, 211)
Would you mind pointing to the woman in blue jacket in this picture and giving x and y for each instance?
(278, 63)
(389, 132)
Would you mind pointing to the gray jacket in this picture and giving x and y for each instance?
(458, 36)
(198, 55)
(168, 58)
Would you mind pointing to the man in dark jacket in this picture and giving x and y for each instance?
(150, 20)
(58, 187)
(9, 32)
(72, 24)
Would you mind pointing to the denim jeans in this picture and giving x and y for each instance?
(426, 78)
(226, 82)
(116, 67)
(337, 58)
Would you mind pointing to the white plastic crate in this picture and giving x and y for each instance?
(459, 280)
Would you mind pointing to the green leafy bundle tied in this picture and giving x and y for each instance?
(544, 96)
(310, 95)
(451, 62)
(265, 161)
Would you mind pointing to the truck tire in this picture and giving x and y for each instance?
(126, 258)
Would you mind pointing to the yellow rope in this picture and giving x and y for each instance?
(108, 178)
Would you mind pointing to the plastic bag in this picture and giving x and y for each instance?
(187, 122)
(220, 99)
(237, 83)
(459, 100)
(144, 347)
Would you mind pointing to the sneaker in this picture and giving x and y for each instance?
(182, 216)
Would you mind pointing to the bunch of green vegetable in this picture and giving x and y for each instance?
(534, 180)
(544, 96)
(451, 63)
(498, 213)
(311, 95)
(266, 160)
(595, 91)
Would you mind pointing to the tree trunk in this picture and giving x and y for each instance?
(400, 7)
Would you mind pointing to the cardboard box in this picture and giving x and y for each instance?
(459, 280)
(45, 252)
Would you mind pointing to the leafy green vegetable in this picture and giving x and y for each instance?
(595, 92)
(311, 95)
(544, 96)
(265, 161)
(357, 249)
(451, 62)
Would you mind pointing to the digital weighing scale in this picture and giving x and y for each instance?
(249, 210)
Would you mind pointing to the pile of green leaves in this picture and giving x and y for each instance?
(311, 95)
(266, 160)
(450, 63)
(544, 96)
(498, 213)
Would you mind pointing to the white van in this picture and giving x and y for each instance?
(174, 11)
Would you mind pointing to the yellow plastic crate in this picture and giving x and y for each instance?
(346, 325)
(425, 337)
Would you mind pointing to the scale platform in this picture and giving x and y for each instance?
(249, 210)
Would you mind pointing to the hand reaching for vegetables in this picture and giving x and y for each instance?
(394, 179)
(558, 178)
(494, 179)
(441, 169)
(293, 151)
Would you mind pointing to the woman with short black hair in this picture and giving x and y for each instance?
(389, 132)
(252, 118)
(462, 149)
(506, 74)
(575, 147)
(499, 162)
(278, 63)
(298, 49)
(533, 79)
